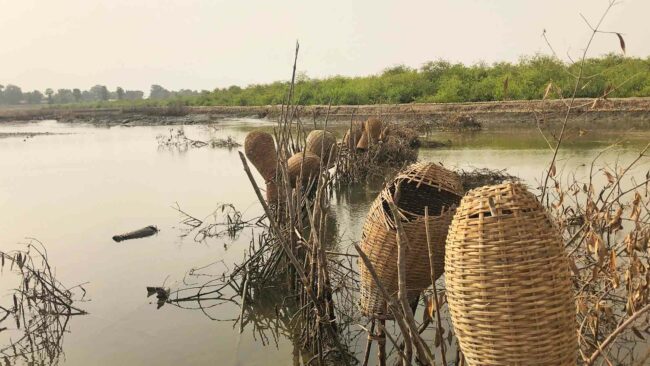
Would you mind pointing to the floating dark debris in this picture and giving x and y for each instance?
(178, 140)
(480, 177)
(137, 234)
(162, 294)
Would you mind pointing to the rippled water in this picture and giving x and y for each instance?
(79, 185)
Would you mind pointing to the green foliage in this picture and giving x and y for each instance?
(444, 82)
(436, 81)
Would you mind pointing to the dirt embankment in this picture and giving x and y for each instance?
(633, 112)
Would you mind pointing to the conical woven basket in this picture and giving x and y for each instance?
(310, 167)
(351, 139)
(321, 142)
(508, 281)
(384, 134)
(379, 240)
(373, 127)
(426, 184)
(363, 141)
(259, 148)
(271, 192)
(353, 135)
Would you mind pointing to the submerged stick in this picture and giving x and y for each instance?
(371, 335)
(294, 261)
(392, 304)
(381, 344)
(424, 354)
(433, 282)
(243, 302)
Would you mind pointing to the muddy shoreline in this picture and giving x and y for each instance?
(612, 113)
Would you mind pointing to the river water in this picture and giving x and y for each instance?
(78, 185)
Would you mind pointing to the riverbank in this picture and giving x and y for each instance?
(612, 113)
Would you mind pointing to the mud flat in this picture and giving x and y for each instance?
(612, 113)
(24, 135)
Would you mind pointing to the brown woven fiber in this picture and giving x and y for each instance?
(259, 148)
(426, 184)
(310, 167)
(508, 281)
(373, 127)
(363, 141)
(351, 139)
(321, 142)
(379, 240)
(271, 192)
(353, 134)
(384, 134)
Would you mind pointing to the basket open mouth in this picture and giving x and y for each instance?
(416, 188)
(413, 198)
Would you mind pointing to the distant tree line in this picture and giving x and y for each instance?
(435, 81)
(13, 95)
(442, 82)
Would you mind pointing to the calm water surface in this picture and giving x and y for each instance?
(77, 187)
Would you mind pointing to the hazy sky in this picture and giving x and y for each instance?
(201, 44)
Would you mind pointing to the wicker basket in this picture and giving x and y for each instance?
(508, 281)
(310, 167)
(259, 148)
(384, 134)
(363, 141)
(320, 141)
(271, 192)
(351, 139)
(426, 184)
(374, 128)
(353, 135)
(379, 234)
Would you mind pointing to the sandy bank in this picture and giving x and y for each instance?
(612, 113)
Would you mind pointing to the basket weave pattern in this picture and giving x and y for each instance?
(351, 138)
(373, 127)
(363, 144)
(259, 148)
(438, 186)
(320, 141)
(508, 281)
(379, 240)
(310, 164)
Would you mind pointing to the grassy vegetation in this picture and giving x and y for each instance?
(441, 81)
(436, 81)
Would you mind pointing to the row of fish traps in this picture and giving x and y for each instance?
(507, 275)
(320, 151)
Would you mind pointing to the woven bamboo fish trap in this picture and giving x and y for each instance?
(351, 139)
(271, 191)
(508, 281)
(384, 134)
(259, 148)
(353, 135)
(307, 162)
(363, 141)
(374, 128)
(418, 186)
(322, 142)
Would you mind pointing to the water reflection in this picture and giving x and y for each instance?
(263, 310)
(33, 324)
(79, 186)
